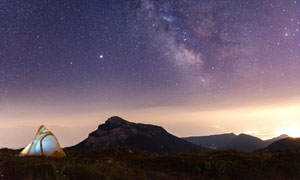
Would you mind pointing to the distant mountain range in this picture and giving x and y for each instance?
(213, 141)
(242, 142)
(119, 133)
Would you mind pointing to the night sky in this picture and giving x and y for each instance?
(184, 64)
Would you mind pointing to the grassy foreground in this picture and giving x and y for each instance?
(125, 164)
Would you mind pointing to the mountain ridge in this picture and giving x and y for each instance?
(241, 142)
(119, 133)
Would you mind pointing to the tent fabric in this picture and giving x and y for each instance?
(44, 144)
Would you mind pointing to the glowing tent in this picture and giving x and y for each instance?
(43, 144)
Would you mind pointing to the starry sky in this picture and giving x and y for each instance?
(196, 67)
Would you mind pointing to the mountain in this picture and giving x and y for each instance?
(284, 144)
(247, 143)
(270, 141)
(119, 133)
(214, 141)
(242, 142)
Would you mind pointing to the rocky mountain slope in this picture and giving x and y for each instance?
(119, 133)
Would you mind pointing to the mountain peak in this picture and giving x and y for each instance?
(116, 120)
(245, 142)
(284, 136)
(270, 141)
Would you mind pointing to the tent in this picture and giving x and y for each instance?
(43, 144)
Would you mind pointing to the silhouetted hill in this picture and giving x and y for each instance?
(284, 144)
(212, 141)
(270, 141)
(119, 133)
(244, 142)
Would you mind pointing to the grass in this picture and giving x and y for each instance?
(125, 164)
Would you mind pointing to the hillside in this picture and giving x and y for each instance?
(284, 144)
(122, 164)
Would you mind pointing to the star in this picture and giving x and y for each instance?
(146, 48)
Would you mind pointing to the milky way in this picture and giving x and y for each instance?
(147, 52)
(146, 45)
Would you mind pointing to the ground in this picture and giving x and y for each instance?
(128, 164)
